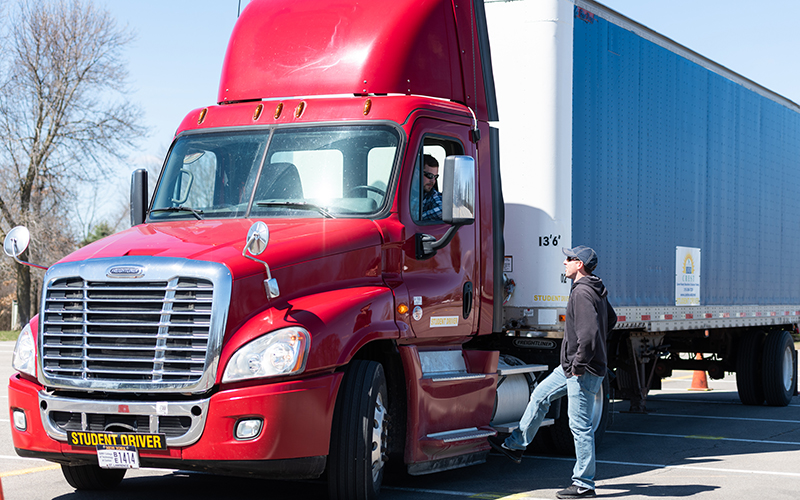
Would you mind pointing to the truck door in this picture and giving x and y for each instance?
(441, 288)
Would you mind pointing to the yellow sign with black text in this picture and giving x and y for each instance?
(138, 441)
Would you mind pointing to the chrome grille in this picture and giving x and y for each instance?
(139, 331)
(161, 332)
(170, 426)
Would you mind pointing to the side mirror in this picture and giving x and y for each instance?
(138, 196)
(458, 194)
(16, 242)
(183, 187)
(257, 238)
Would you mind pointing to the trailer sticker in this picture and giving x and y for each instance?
(687, 276)
(551, 299)
(444, 321)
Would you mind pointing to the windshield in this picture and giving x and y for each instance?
(305, 172)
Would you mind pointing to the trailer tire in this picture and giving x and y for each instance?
(358, 448)
(749, 381)
(778, 368)
(92, 477)
(560, 436)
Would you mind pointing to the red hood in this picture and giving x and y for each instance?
(290, 241)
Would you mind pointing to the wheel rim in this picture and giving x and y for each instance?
(597, 411)
(788, 366)
(378, 437)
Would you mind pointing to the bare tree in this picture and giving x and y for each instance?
(63, 116)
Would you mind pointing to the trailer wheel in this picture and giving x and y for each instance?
(358, 449)
(778, 368)
(748, 369)
(561, 440)
(92, 477)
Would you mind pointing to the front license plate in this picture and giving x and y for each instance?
(117, 457)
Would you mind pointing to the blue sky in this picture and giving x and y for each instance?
(175, 61)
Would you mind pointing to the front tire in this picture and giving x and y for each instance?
(778, 368)
(358, 450)
(92, 477)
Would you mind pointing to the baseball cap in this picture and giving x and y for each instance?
(584, 254)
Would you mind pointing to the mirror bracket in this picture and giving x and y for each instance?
(255, 244)
(428, 245)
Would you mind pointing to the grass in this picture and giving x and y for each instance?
(9, 334)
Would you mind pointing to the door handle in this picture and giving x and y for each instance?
(467, 299)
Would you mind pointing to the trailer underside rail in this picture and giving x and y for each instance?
(661, 319)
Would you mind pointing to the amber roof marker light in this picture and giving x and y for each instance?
(298, 111)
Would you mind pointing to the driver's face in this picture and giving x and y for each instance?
(427, 183)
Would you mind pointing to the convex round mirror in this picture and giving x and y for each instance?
(17, 241)
(257, 238)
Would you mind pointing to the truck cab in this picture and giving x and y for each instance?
(283, 283)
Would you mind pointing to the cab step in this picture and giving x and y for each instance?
(506, 371)
(467, 434)
(509, 427)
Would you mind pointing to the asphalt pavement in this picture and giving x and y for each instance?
(690, 444)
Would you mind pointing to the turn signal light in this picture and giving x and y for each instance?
(402, 309)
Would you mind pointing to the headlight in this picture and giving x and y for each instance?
(24, 359)
(278, 353)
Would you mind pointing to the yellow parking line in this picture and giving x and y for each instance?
(20, 472)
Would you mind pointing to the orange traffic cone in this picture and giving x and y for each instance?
(699, 380)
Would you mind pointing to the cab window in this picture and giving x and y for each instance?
(426, 195)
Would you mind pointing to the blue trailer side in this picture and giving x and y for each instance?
(668, 153)
(673, 153)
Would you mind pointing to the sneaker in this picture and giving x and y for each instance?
(500, 445)
(576, 491)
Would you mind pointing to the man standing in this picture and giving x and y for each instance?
(432, 198)
(579, 376)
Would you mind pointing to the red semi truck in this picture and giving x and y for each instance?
(283, 307)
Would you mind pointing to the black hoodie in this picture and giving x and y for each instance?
(589, 319)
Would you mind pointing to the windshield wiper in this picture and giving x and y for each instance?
(300, 205)
(182, 208)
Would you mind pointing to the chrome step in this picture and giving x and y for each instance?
(515, 370)
(461, 434)
(509, 427)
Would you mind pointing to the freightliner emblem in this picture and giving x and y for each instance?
(126, 272)
(535, 343)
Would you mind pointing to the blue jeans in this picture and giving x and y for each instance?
(580, 392)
